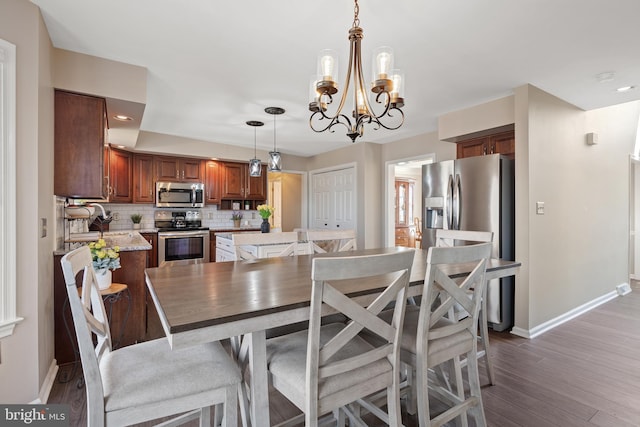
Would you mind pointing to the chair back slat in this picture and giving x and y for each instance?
(242, 240)
(393, 270)
(323, 241)
(89, 316)
(443, 292)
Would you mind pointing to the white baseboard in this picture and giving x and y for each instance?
(47, 384)
(548, 325)
(623, 289)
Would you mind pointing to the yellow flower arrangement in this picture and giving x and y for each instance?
(265, 211)
(103, 257)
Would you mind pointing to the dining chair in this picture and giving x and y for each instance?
(327, 368)
(145, 381)
(433, 339)
(280, 244)
(417, 222)
(449, 238)
(323, 241)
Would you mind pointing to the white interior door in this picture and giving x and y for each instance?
(333, 198)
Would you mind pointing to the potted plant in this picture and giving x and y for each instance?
(265, 212)
(236, 216)
(136, 218)
(105, 260)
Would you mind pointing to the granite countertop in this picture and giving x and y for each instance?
(126, 240)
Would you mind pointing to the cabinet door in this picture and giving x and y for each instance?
(79, 129)
(256, 186)
(191, 170)
(152, 254)
(472, 148)
(212, 182)
(143, 182)
(233, 180)
(504, 143)
(166, 168)
(120, 172)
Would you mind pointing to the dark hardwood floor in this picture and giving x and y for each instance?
(585, 372)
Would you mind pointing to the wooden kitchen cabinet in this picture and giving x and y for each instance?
(181, 169)
(120, 176)
(80, 124)
(237, 185)
(131, 274)
(152, 255)
(500, 143)
(406, 236)
(212, 183)
(143, 179)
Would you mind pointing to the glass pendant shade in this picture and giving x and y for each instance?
(255, 167)
(328, 65)
(255, 164)
(275, 161)
(382, 62)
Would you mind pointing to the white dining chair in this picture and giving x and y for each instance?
(432, 339)
(145, 381)
(275, 245)
(325, 369)
(449, 238)
(323, 241)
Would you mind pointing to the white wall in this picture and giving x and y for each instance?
(28, 353)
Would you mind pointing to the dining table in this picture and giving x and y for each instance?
(207, 302)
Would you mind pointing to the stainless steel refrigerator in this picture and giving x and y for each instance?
(475, 193)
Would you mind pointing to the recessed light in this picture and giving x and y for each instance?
(121, 146)
(122, 118)
(625, 88)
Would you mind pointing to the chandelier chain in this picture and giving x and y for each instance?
(356, 12)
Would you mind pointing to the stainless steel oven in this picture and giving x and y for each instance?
(183, 247)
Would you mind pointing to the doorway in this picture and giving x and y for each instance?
(410, 170)
(286, 193)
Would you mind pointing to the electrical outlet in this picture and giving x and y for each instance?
(43, 227)
(540, 208)
(116, 216)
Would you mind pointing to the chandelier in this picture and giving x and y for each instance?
(255, 165)
(275, 160)
(387, 88)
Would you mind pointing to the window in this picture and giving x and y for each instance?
(8, 317)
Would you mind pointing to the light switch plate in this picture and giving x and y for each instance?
(540, 208)
(43, 227)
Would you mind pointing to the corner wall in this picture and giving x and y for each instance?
(28, 353)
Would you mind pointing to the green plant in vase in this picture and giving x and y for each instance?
(136, 218)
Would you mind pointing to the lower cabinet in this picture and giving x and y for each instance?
(406, 236)
(132, 274)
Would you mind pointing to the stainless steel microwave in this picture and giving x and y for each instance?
(179, 194)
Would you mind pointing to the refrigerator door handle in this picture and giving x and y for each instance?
(456, 203)
(448, 206)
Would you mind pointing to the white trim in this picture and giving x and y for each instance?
(548, 325)
(8, 315)
(47, 385)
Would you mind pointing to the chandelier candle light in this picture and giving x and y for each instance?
(255, 165)
(275, 160)
(387, 85)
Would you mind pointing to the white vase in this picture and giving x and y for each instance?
(136, 226)
(104, 278)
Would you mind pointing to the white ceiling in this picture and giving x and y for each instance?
(213, 65)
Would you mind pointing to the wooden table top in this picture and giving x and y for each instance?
(201, 295)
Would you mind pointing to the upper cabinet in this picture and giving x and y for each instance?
(143, 179)
(237, 184)
(500, 143)
(80, 128)
(212, 182)
(120, 176)
(179, 169)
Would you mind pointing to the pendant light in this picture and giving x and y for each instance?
(275, 160)
(255, 165)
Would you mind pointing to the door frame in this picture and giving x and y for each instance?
(389, 231)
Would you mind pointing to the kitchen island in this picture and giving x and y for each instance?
(226, 252)
(133, 261)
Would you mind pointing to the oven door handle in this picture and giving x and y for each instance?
(180, 234)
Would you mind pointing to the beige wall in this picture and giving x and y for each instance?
(291, 201)
(28, 353)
